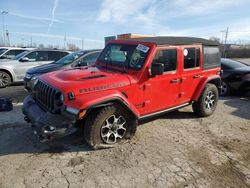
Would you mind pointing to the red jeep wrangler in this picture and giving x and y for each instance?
(131, 80)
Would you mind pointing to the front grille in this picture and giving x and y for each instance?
(45, 95)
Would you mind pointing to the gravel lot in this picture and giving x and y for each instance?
(174, 150)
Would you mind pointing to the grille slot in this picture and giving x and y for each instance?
(45, 95)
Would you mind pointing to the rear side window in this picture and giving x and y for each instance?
(54, 55)
(168, 58)
(191, 58)
(211, 57)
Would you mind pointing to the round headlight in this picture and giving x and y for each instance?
(34, 80)
(28, 76)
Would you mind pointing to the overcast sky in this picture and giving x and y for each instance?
(51, 20)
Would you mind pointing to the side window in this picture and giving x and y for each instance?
(38, 56)
(62, 54)
(168, 58)
(54, 55)
(191, 58)
(12, 53)
(90, 59)
(211, 57)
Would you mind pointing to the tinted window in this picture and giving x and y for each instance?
(211, 57)
(90, 58)
(38, 56)
(64, 54)
(12, 53)
(231, 64)
(168, 58)
(191, 58)
(54, 55)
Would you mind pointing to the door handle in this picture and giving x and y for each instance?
(175, 81)
(197, 76)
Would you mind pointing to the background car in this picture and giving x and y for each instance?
(7, 53)
(79, 58)
(14, 70)
(235, 78)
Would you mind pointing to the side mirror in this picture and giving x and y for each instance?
(157, 69)
(24, 59)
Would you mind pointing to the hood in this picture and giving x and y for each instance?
(44, 68)
(85, 80)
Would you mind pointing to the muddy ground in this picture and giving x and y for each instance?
(174, 150)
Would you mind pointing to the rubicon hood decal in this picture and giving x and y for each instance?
(103, 87)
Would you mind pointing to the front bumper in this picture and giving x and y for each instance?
(47, 125)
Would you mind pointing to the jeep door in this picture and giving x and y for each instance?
(190, 72)
(161, 91)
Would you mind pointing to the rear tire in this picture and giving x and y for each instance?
(108, 126)
(207, 102)
(5, 79)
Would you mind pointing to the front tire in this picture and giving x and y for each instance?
(207, 102)
(5, 79)
(108, 126)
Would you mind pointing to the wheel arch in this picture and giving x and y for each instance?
(8, 72)
(216, 80)
(112, 101)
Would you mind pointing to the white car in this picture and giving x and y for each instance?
(14, 70)
(11, 52)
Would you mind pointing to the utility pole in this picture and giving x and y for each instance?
(225, 43)
(3, 13)
(8, 37)
(64, 42)
(31, 42)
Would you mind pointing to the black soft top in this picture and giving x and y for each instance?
(175, 41)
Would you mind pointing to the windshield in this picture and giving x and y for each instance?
(233, 64)
(2, 50)
(124, 55)
(69, 58)
(17, 57)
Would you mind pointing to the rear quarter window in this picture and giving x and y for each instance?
(56, 55)
(211, 57)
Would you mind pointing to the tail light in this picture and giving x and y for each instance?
(246, 76)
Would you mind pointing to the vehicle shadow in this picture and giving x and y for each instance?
(24, 141)
(16, 136)
(241, 104)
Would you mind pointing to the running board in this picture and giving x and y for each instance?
(164, 111)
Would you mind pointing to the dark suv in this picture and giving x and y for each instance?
(131, 80)
(75, 59)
